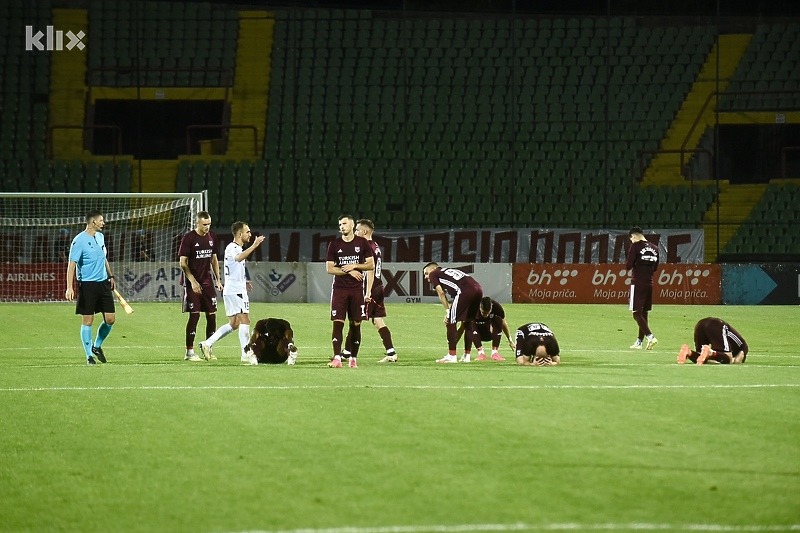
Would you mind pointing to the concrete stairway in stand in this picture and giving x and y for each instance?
(735, 203)
(68, 86)
(665, 168)
(251, 85)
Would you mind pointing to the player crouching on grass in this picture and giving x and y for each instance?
(715, 341)
(536, 345)
(272, 342)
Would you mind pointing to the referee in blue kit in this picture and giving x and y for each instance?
(87, 257)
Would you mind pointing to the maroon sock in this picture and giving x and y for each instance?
(386, 337)
(336, 337)
(641, 319)
(452, 337)
(354, 334)
(191, 329)
(348, 343)
(211, 324)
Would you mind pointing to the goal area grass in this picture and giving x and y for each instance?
(612, 439)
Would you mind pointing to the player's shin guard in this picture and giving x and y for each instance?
(244, 335)
(354, 334)
(102, 333)
(191, 329)
(86, 340)
(211, 323)
(336, 337)
(386, 337)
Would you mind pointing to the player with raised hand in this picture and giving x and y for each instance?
(198, 261)
(234, 294)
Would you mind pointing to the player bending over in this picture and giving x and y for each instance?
(537, 345)
(272, 342)
(715, 341)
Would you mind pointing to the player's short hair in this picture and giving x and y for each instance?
(366, 222)
(636, 230)
(486, 304)
(237, 226)
(202, 215)
(345, 216)
(93, 214)
(431, 264)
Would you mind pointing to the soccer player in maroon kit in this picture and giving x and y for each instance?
(490, 325)
(466, 293)
(642, 261)
(347, 258)
(715, 341)
(373, 294)
(197, 259)
(537, 345)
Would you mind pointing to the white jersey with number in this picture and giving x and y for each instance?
(235, 282)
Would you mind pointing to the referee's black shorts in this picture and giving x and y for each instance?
(94, 297)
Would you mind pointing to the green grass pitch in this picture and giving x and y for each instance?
(613, 439)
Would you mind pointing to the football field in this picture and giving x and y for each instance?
(611, 440)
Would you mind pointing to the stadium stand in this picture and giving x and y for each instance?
(423, 121)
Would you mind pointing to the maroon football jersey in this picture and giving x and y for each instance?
(347, 253)
(377, 283)
(497, 312)
(452, 280)
(643, 260)
(199, 250)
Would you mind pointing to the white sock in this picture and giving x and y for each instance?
(221, 332)
(244, 336)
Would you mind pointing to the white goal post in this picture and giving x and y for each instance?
(142, 235)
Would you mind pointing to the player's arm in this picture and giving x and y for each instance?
(70, 293)
(507, 333)
(184, 262)
(524, 360)
(110, 276)
(367, 265)
(370, 282)
(443, 299)
(244, 254)
(334, 270)
(215, 270)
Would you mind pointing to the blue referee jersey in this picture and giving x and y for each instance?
(89, 253)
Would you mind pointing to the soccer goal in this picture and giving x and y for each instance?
(142, 235)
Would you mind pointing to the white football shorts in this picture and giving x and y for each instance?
(236, 304)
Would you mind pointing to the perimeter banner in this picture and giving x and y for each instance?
(32, 282)
(404, 282)
(464, 246)
(604, 284)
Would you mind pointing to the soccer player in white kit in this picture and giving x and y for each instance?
(234, 293)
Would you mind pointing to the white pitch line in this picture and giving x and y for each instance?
(408, 387)
(569, 526)
(326, 348)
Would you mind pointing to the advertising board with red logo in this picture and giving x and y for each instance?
(32, 282)
(610, 283)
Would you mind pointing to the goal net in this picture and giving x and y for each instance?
(142, 234)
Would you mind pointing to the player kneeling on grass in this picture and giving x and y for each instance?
(536, 345)
(272, 342)
(715, 341)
